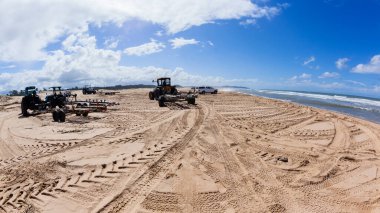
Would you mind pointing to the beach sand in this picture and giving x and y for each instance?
(229, 153)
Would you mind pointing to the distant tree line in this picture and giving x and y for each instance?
(116, 87)
(16, 93)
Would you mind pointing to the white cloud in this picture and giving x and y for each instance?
(309, 60)
(180, 42)
(145, 49)
(111, 43)
(305, 81)
(210, 43)
(159, 33)
(309, 63)
(356, 83)
(8, 66)
(303, 76)
(372, 67)
(341, 63)
(28, 27)
(248, 22)
(329, 75)
(80, 62)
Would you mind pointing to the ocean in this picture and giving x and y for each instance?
(357, 106)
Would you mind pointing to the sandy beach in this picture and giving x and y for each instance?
(229, 153)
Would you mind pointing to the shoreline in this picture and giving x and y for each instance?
(320, 108)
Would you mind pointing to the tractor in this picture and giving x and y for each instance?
(163, 87)
(165, 92)
(56, 102)
(88, 90)
(31, 101)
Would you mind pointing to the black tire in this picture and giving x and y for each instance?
(85, 114)
(216, 92)
(55, 116)
(156, 94)
(61, 116)
(191, 101)
(79, 105)
(151, 95)
(203, 92)
(161, 102)
(24, 107)
(77, 114)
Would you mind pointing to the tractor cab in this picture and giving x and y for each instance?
(31, 91)
(56, 98)
(163, 87)
(30, 101)
(56, 90)
(161, 82)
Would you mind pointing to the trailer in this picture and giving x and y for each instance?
(81, 111)
(190, 98)
(108, 92)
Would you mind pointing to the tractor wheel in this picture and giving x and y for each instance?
(156, 94)
(151, 95)
(85, 114)
(55, 116)
(191, 101)
(161, 102)
(24, 107)
(61, 116)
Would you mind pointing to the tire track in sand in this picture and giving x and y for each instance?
(137, 190)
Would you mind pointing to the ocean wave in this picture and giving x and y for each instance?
(359, 102)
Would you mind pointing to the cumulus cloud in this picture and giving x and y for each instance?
(145, 49)
(329, 75)
(111, 43)
(180, 42)
(28, 27)
(341, 63)
(81, 62)
(372, 67)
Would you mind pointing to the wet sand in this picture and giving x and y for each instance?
(229, 153)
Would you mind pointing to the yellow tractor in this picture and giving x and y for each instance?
(163, 87)
(165, 92)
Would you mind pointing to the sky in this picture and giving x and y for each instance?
(316, 45)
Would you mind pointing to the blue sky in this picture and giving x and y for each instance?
(321, 45)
